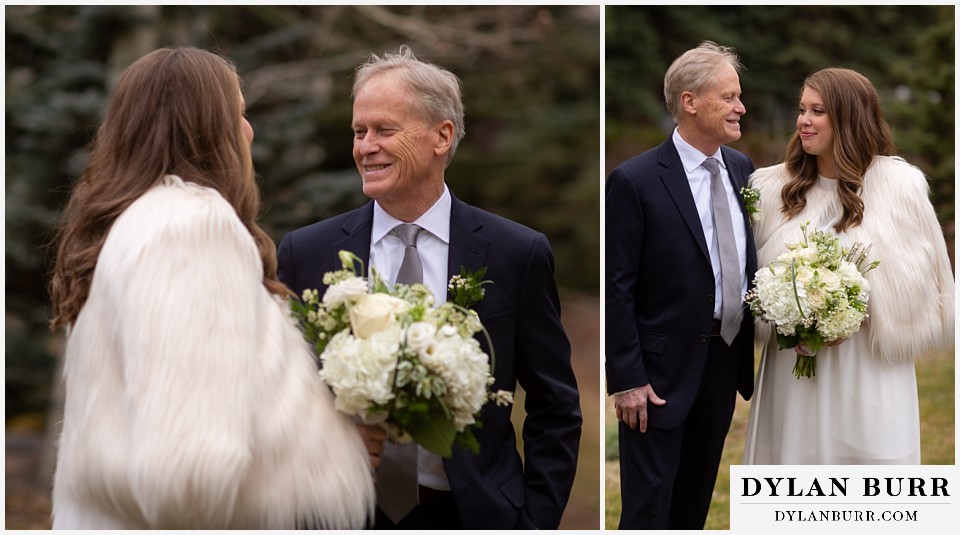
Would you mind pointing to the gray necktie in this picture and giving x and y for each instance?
(411, 269)
(397, 489)
(730, 280)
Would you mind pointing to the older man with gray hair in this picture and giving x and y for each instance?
(407, 123)
(678, 250)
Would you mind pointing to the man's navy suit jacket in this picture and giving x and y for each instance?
(659, 282)
(521, 311)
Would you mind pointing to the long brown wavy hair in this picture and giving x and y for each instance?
(859, 134)
(174, 111)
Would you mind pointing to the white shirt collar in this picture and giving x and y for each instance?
(436, 220)
(690, 157)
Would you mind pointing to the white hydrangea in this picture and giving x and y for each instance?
(774, 289)
(840, 322)
(360, 371)
(463, 369)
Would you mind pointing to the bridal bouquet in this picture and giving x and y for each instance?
(815, 293)
(394, 359)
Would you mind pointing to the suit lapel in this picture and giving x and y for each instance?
(675, 180)
(467, 249)
(739, 178)
(357, 230)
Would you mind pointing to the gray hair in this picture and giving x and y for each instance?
(437, 88)
(694, 71)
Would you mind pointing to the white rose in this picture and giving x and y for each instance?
(346, 291)
(804, 275)
(816, 299)
(374, 313)
(830, 280)
(420, 336)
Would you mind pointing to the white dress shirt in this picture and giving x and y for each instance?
(699, 179)
(433, 245)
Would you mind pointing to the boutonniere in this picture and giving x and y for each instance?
(466, 289)
(751, 199)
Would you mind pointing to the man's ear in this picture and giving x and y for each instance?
(445, 132)
(688, 102)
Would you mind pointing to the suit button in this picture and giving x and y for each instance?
(711, 299)
(703, 338)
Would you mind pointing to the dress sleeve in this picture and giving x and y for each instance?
(189, 325)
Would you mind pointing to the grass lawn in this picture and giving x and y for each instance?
(935, 382)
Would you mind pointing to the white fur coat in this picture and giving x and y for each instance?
(911, 300)
(191, 398)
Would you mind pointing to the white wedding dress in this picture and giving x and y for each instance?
(854, 411)
(860, 407)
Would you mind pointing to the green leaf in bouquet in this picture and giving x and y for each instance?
(787, 342)
(377, 284)
(436, 435)
(467, 439)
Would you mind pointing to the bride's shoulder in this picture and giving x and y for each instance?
(894, 176)
(894, 168)
(778, 171)
(175, 204)
(764, 176)
(176, 215)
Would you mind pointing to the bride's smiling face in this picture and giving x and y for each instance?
(813, 124)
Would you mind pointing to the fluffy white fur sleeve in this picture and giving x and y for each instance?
(912, 296)
(192, 401)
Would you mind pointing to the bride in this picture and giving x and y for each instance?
(192, 401)
(842, 175)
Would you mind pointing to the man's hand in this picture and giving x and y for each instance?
(373, 439)
(632, 406)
